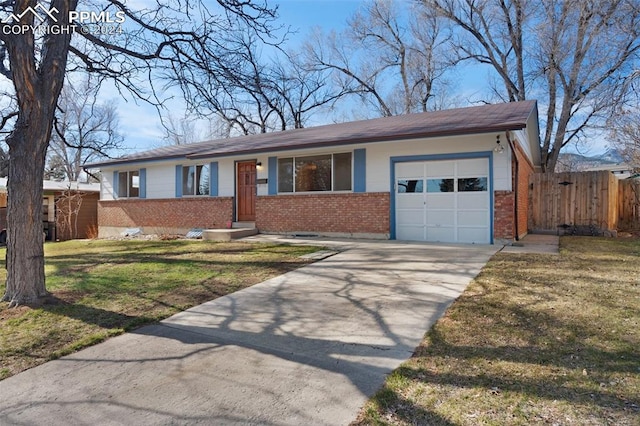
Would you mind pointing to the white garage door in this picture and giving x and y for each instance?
(443, 201)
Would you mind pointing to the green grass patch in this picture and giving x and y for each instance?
(535, 339)
(103, 288)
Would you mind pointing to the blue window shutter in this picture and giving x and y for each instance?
(213, 179)
(143, 183)
(273, 175)
(115, 184)
(178, 181)
(360, 170)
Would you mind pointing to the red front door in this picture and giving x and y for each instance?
(246, 191)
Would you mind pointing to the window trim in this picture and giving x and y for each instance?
(332, 191)
(129, 179)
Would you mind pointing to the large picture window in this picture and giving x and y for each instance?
(129, 184)
(331, 172)
(195, 180)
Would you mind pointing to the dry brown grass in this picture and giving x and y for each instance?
(535, 339)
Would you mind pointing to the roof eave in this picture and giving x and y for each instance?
(357, 141)
(131, 161)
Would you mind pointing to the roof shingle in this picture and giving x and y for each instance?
(459, 121)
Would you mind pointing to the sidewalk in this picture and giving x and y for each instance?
(535, 244)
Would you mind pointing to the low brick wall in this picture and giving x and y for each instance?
(169, 215)
(353, 214)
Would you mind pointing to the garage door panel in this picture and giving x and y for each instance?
(410, 201)
(438, 169)
(410, 169)
(473, 218)
(472, 167)
(474, 200)
(473, 235)
(441, 234)
(411, 217)
(441, 217)
(410, 233)
(441, 201)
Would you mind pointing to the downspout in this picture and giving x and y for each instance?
(515, 184)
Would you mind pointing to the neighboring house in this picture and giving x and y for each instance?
(620, 170)
(458, 175)
(69, 209)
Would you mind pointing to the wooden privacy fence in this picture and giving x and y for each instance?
(629, 205)
(583, 203)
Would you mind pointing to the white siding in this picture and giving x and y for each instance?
(161, 180)
(161, 175)
(106, 185)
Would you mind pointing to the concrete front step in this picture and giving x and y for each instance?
(243, 225)
(227, 234)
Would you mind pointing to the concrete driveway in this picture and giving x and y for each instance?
(308, 347)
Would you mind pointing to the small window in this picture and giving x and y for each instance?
(129, 184)
(342, 172)
(410, 186)
(285, 174)
(439, 185)
(195, 180)
(472, 184)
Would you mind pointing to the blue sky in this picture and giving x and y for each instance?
(303, 14)
(141, 124)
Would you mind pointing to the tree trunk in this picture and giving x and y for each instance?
(37, 72)
(25, 253)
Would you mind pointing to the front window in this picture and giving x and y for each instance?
(331, 172)
(195, 180)
(129, 184)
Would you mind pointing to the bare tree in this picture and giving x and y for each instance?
(181, 130)
(8, 115)
(56, 168)
(85, 130)
(395, 64)
(625, 136)
(576, 56)
(262, 93)
(40, 42)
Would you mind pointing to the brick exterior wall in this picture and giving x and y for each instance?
(503, 224)
(174, 213)
(510, 203)
(353, 213)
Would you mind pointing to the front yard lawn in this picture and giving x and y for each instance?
(103, 288)
(535, 339)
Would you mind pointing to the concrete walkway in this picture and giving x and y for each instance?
(308, 347)
(535, 244)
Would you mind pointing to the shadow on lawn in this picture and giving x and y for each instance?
(92, 315)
